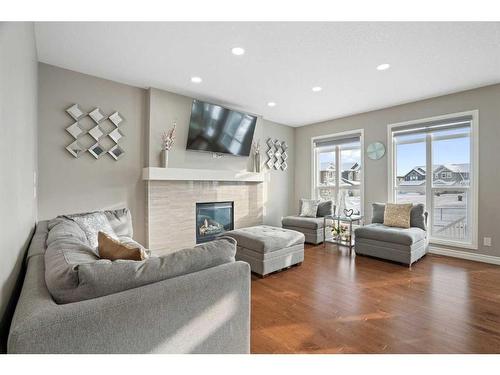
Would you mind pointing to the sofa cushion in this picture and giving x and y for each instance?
(67, 246)
(397, 215)
(309, 207)
(105, 277)
(378, 210)
(73, 272)
(380, 232)
(303, 222)
(264, 238)
(91, 224)
(417, 215)
(121, 222)
(112, 249)
(325, 208)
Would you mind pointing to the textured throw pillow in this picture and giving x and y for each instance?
(309, 207)
(378, 210)
(111, 249)
(92, 224)
(397, 215)
(325, 208)
(417, 217)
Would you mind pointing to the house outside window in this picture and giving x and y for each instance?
(337, 172)
(448, 147)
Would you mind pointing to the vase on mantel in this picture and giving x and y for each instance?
(164, 158)
(257, 163)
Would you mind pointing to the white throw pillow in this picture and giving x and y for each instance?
(93, 223)
(309, 207)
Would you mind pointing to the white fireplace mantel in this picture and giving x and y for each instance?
(184, 174)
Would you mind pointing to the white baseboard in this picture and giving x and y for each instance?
(464, 255)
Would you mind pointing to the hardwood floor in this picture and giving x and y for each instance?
(333, 303)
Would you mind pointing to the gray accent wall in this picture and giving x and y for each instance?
(18, 153)
(278, 196)
(69, 185)
(485, 99)
(166, 107)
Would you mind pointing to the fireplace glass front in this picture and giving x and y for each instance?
(213, 219)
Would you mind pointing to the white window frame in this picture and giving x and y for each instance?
(474, 174)
(314, 165)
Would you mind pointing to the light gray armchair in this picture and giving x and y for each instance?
(396, 244)
(311, 227)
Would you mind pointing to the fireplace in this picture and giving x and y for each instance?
(213, 219)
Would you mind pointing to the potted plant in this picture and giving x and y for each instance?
(340, 232)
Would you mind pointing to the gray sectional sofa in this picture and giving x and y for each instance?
(311, 227)
(402, 245)
(190, 301)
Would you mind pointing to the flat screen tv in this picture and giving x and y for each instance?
(217, 129)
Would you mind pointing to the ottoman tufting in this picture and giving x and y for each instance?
(268, 249)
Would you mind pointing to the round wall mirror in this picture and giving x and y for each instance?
(375, 150)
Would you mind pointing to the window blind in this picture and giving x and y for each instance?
(335, 141)
(463, 122)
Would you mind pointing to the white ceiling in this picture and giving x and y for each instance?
(283, 61)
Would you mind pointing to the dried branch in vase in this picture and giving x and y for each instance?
(168, 138)
(256, 147)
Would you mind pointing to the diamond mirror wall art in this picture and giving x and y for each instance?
(96, 115)
(277, 154)
(96, 150)
(75, 111)
(116, 152)
(115, 118)
(116, 135)
(75, 149)
(74, 130)
(94, 131)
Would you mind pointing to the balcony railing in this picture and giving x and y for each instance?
(456, 230)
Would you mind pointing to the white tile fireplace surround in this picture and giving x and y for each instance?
(172, 194)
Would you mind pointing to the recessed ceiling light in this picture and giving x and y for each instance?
(383, 66)
(238, 51)
(317, 89)
(271, 104)
(196, 79)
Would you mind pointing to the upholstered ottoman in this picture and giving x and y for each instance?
(268, 249)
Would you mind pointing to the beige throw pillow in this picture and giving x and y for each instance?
(397, 215)
(111, 249)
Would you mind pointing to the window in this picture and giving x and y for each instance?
(447, 147)
(337, 172)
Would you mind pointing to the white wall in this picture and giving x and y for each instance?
(485, 99)
(18, 152)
